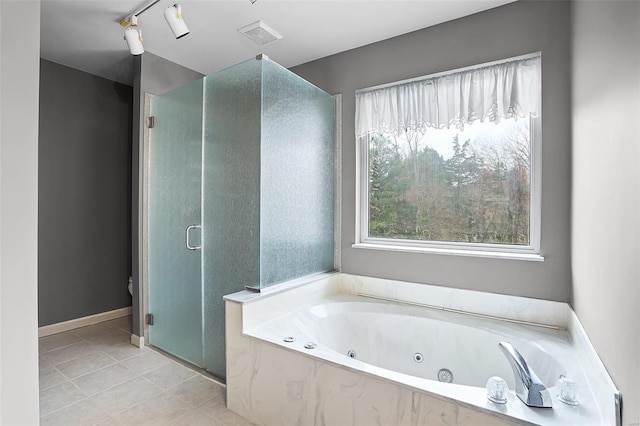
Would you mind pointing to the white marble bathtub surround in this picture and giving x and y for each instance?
(280, 299)
(272, 382)
(524, 309)
(600, 384)
(239, 360)
(285, 297)
(270, 385)
(386, 335)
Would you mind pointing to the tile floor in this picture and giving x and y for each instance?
(94, 376)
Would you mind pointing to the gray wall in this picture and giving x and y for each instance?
(153, 75)
(84, 198)
(606, 187)
(19, 212)
(511, 30)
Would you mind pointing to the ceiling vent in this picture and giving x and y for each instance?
(260, 33)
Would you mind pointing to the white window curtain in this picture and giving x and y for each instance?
(491, 92)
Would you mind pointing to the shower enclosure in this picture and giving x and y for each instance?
(241, 194)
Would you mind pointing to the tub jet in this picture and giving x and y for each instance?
(445, 375)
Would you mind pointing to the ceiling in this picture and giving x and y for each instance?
(85, 34)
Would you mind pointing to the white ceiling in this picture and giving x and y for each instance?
(85, 34)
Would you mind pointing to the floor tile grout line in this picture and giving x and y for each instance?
(139, 403)
(99, 369)
(183, 415)
(185, 401)
(63, 375)
(152, 370)
(162, 391)
(160, 366)
(87, 396)
(129, 344)
(198, 370)
(197, 407)
(40, 353)
(109, 417)
(62, 408)
(115, 361)
(71, 359)
(55, 349)
(110, 387)
(69, 378)
(203, 412)
(196, 374)
(132, 356)
(107, 366)
(191, 378)
(68, 405)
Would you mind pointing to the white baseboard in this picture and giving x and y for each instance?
(137, 340)
(83, 322)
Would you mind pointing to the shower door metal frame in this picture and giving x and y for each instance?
(144, 228)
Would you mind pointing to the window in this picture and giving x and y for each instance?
(450, 163)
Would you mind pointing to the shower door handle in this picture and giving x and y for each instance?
(186, 238)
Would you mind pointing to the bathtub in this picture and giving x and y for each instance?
(348, 357)
(423, 342)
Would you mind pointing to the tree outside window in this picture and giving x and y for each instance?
(468, 186)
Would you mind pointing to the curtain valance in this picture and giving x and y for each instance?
(493, 92)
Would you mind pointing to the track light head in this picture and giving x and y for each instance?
(173, 15)
(133, 33)
(133, 37)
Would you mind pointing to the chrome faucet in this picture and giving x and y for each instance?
(529, 388)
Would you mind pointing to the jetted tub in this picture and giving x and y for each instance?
(429, 344)
(421, 350)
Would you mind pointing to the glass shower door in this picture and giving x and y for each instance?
(174, 237)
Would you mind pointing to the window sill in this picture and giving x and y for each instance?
(530, 257)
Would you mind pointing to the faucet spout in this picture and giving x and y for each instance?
(529, 388)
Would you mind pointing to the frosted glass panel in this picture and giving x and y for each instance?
(231, 197)
(251, 149)
(175, 298)
(297, 170)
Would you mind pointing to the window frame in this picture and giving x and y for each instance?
(505, 251)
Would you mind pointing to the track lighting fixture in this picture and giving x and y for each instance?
(133, 33)
(133, 36)
(173, 15)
